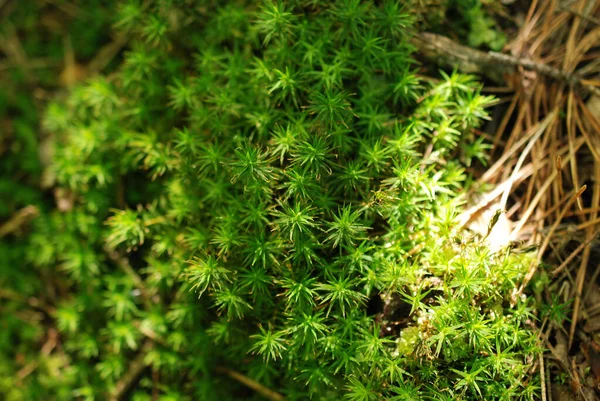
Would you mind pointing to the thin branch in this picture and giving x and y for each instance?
(543, 377)
(123, 263)
(540, 130)
(252, 384)
(494, 65)
(544, 246)
(106, 54)
(580, 15)
(20, 218)
(136, 367)
(47, 348)
(576, 252)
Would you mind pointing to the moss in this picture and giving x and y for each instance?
(240, 191)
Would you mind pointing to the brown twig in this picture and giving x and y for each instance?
(20, 218)
(543, 377)
(47, 348)
(574, 254)
(580, 15)
(246, 381)
(106, 54)
(494, 65)
(252, 384)
(123, 263)
(136, 367)
(540, 130)
(544, 246)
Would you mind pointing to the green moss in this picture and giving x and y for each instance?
(242, 190)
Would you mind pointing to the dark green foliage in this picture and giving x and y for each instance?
(30, 57)
(246, 187)
(471, 20)
(33, 35)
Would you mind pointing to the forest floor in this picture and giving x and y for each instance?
(545, 171)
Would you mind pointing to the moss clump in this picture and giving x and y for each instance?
(241, 191)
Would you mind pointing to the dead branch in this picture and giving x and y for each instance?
(136, 367)
(252, 384)
(20, 218)
(494, 65)
(123, 263)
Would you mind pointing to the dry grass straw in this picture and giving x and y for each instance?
(553, 130)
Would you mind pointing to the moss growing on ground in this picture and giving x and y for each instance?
(269, 189)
